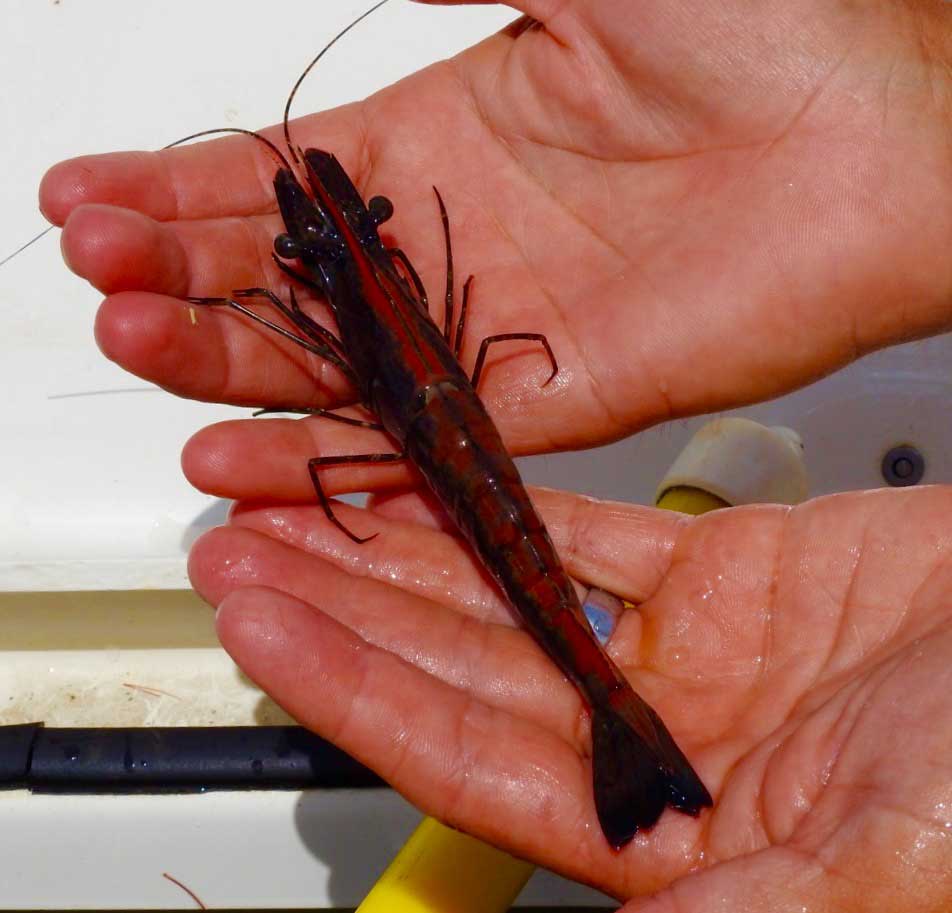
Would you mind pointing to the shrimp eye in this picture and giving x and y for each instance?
(286, 247)
(381, 209)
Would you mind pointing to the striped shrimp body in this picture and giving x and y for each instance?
(406, 370)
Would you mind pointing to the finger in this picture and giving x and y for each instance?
(434, 564)
(625, 549)
(120, 250)
(214, 354)
(417, 506)
(228, 176)
(503, 779)
(497, 664)
(132, 180)
(192, 350)
(217, 460)
(630, 555)
(201, 357)
(427, 563)
(516, 374)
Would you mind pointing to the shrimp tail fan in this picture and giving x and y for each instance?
(638, 769)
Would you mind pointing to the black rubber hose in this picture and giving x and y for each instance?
(174, 759)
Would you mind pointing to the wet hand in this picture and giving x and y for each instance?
(800, 657)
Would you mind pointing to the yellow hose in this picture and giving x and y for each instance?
(688, 500)
(440, 870)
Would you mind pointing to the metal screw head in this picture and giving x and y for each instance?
(903, 466)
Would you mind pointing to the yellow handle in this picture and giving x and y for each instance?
(440, 870)
(687, 500)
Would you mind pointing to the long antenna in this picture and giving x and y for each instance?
(23, 247)
(311, 65)
(216, 130)
(258, 136)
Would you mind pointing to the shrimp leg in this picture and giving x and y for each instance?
(398, 255)
(294, 274)
(500, 337)
(458, 344)
(316, 348)
(302, 321)
(295, 314)
(323, 413)
(314, 464)
(461, 323)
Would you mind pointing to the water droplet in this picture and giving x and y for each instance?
(679, 655)
(71, 752)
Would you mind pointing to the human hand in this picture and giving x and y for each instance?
(703, 281)
(700, 203)
(800, 657)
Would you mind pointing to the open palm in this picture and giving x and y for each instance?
(801, 657)
(700, 203)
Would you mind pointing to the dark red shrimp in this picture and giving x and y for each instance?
(406, 371)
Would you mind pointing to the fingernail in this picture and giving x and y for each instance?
(602, 610)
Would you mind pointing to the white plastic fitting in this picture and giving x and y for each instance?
(742, 462)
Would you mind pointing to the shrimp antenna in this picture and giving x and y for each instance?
(218, 130)
(178, 142)
(287, 133)
(311, 65)
(23, 247)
